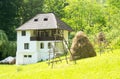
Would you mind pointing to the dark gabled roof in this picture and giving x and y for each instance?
(63, 25)
(44, 21)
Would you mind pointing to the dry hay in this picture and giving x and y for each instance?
(102, 42)
(101, 37)
(81, 47)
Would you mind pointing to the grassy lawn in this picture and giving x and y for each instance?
(105, 66)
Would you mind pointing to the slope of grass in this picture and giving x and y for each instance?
(105, 66)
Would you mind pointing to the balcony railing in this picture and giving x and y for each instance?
(45, 38)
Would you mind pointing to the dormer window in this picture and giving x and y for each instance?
(35, 20)
(45, 19)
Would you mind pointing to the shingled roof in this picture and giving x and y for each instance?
(44, 21)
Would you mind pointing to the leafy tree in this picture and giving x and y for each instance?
(80, 14)
(29, 9)
(3, 37)
(13, 13)
(3, 42)
(115, 3)
(55, 6)
(7, 48)
(8, 14)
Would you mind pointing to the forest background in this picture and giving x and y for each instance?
(89, 16)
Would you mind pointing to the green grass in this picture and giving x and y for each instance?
(105, 66)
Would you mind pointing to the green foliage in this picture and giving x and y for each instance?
(71, 35)
(105, 66)
(115, 3)
(3, 37)
(29, 9)
(80, 14)
(90, 16)
(7, 48)
(55, 6)
(93, 16)
(8, 14)
(10, 49)
(3, 42)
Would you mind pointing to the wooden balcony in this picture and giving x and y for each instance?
(45, 38)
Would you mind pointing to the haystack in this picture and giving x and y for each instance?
(101, 37)
(81, 47)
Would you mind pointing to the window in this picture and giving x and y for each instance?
(45, 19)
(49, 45)
(25, 56)
(53, 32)
(35, 20)
(42, 34)
(26, 45)
(23, 33)
(29, 56)
(41, 45)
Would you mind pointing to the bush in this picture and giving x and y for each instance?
(7, 48)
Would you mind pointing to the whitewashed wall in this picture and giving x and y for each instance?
(66, 35)
(34, 48)
(20, 59)
(43, 54)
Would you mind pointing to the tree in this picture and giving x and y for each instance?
(8, 14)
(55, 6)
(13, 13)
(82, 15)
(7, 48)
(29, 9)
(3, 37)
(115, 3)
(3, 42)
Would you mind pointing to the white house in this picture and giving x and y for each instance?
(36, 36)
